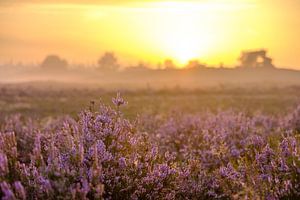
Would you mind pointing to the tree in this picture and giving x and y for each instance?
(108, 62)
(194, 64)
(169, 64)
(54, 63)
(254, 59)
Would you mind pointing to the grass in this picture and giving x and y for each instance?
(49, 102)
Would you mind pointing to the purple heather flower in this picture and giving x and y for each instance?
(283, 166)
(235, 152)
(7, 192)
(3, 164)
(44, 184)
(20, 191)
(104, 119)
(229, 172)
(122, 162)
(118, 101)
(285, 147)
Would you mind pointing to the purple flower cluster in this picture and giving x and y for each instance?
(102, 155)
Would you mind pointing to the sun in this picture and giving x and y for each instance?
(183, 46)
(180, 32)
(156, 30)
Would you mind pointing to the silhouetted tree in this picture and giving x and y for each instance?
(54, 63)
(108, 62)
(142, 65)
(169, 64)
(221, 65)
(159, 66)
(194, 64)
(254, 59)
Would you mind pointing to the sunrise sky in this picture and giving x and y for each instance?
(212, 31)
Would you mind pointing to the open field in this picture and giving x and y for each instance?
(52, 100)
(221, 143)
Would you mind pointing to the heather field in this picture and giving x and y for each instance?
(218, 143)
(149, 100)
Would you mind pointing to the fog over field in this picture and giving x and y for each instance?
(108, 73)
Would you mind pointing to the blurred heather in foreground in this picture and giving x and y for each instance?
(102, 155)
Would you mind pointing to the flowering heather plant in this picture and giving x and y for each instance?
(102, 155)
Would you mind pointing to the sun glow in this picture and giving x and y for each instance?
(192, 30)
(211, 31)
(182, 40)
(184, 44)
(152, 31)
(177, 30)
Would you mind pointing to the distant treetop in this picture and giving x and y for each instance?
(254, 59)
(108, 62)
(54, 63)
(169, 64)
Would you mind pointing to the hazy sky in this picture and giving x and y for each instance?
(212, 31)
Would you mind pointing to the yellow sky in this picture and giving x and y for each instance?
(209, 30)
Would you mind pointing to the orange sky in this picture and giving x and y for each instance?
(212, 31)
